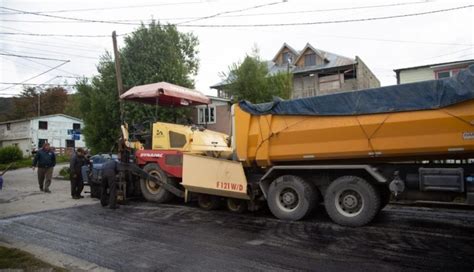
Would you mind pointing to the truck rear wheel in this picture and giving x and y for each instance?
(236, 205)
(291, 197)
(351, 201)
(152, 191)
(208, 202)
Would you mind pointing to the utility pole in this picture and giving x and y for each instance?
(118, 73)
(39, 104)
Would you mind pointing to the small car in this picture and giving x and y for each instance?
(92, 173)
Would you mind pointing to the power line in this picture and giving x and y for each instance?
(56, 35)
(31, 57)
(42, 64)
(447, 54)
(330, 9)
(34, 84)
(128, 23)
(48, 44)
(108, 8)
(231, 11)
(47, 71)
(69, 18)
(75, 43)
(329, 22)
(258, 25)
(235, 15)
(396, 41)
(45, 52)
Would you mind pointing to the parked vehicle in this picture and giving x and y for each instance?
(92, 173)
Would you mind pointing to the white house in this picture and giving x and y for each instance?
(431, 71)
(60, 130)
(215, 116)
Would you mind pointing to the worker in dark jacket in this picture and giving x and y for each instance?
(109, 180)
(75, 167)
(45, 160)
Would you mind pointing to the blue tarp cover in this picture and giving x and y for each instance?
(423, 95)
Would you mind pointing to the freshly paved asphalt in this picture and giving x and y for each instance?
(178, 237)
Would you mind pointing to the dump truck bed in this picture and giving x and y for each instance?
(268, 139)
(422, 120)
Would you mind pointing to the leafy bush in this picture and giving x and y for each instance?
(10, 154)
(62, 158)
(65, 172)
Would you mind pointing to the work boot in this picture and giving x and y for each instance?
(75, 197)
(47, 191)
(41, 189)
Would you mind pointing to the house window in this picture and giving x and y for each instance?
(286, 57)
(207, 115)
(8, 126)
(76, 126)
(43, 125)
(309, 59)
(70, 144)
(443, 74)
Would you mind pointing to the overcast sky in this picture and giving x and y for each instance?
(383, 45)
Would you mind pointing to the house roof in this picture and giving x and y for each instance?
(310, 47)
(40, 117)
(285, 45)
(215, 98)
(436, 65)
(331, 61)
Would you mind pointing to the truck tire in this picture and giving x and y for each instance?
(151, 191)
(291, 197)
(236, 205)
(208, 202)
(351, 201)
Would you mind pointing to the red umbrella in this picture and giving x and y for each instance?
(165, 94)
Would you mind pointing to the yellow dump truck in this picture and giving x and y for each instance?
(352, 151)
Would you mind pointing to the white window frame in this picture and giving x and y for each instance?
(201, 116)
(445, 71)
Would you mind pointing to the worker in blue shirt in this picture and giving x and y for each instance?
(45, 160)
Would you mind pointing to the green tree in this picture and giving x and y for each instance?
(73, 106)
(250, 80)
(50, 101)
(6, 108)
(150, 54)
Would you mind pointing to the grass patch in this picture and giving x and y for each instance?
(18, 164)
(12, 258)
(29, 161)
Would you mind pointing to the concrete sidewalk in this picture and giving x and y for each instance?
(21, 195)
